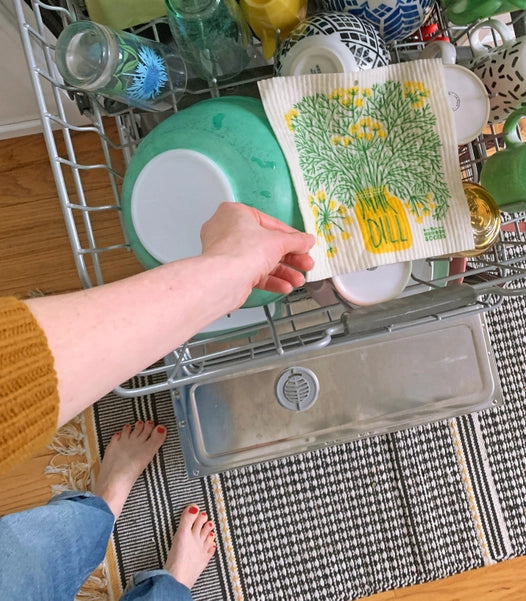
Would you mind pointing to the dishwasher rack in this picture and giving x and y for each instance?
(93, 224)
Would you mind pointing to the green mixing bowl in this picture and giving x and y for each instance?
(222, 149)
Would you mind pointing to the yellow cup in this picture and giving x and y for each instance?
(265, 17)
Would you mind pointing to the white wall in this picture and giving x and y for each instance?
(19, 114)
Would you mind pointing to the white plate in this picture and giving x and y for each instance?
(374, 285)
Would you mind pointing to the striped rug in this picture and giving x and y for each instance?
(343, 522)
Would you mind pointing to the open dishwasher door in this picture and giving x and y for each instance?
(356, 389)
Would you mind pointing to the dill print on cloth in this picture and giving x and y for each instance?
(373, 156)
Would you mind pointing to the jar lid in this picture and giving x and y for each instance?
(485, 218)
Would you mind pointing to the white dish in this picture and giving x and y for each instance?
(374, 285)
(318, 54)
(175, 193)
(468, 99)
(242, 318)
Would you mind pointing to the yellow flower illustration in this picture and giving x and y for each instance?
(289, 118)
(330, 215)
(416, 93)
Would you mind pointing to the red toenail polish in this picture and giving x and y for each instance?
(139, 423)
(149, 421)
(210, 525)
(193, 509)
(160, 429)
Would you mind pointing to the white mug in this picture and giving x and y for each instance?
(501, 69)
(467, 96)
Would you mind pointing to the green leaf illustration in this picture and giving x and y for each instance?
(377, 147)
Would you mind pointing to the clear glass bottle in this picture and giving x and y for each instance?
(120, 65)
(212, 36)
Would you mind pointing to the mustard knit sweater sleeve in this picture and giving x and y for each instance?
(28, 385)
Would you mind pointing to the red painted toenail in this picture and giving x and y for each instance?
(139, 423)
(210, 525)
(193, 509)
(149, 421)
(161, 430)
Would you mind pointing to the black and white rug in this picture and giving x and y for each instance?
(348, 521)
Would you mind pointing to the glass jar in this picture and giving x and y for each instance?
(120, 65)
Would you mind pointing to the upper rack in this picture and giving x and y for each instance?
(101, 250)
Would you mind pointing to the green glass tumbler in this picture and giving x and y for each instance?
(212, 35)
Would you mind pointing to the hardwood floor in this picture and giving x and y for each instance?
(35, 256)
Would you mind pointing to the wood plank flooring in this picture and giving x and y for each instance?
(35, 256)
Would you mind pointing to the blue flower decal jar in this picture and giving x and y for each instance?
(120, 65)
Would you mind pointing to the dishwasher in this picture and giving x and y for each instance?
(306, 376)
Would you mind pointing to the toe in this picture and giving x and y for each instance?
(158, 436)
(137, 429)
(147, 429)
(114, 439)
(206, 530)
(126, 431)
(211, 548)
(188, 517)
(199, 523)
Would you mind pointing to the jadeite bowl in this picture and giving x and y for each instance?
(216, 150)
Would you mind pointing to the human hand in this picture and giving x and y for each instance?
(265, 252)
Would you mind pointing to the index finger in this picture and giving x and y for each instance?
(271, 223)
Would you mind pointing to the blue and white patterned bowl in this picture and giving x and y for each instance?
(394, 19)
(336, 35)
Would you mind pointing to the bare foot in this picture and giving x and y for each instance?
(125, 458)
(192, 547)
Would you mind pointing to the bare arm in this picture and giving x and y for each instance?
(102, 336)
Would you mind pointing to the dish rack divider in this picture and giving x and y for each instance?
(302, 325)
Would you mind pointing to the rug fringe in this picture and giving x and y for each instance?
(73, 465)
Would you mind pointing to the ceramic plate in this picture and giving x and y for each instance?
(216, 150)
(375, 285)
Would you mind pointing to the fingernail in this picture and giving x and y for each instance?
(193, 509)
(161, 430)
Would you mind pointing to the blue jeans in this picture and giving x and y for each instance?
(47, 553)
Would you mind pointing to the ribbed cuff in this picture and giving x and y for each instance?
(28, 385)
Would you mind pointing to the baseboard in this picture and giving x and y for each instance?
(22, 128)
